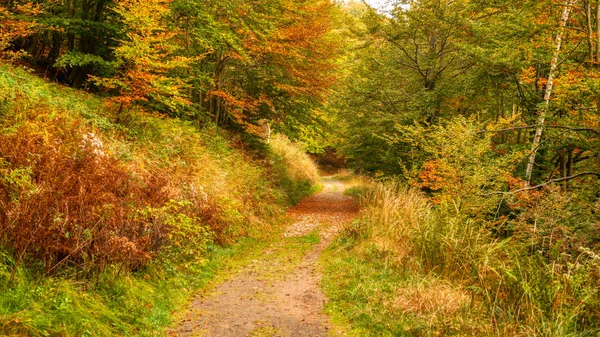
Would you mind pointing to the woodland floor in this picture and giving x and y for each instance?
(277, 294)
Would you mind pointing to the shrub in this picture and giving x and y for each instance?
(296, 172)
(66, 200)
(519, 290)
(298, 165)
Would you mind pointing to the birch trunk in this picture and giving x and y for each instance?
(548, 93)
(598, 33)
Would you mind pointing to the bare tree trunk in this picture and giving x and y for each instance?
(598, 33)
(569, 165)
(563, 165)
(544, 110)
(588, 19)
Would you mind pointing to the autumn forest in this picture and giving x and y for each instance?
(151, 149)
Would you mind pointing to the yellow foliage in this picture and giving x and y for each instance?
(299, 166)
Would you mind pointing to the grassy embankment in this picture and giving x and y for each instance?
(106, 228)
(410, 267)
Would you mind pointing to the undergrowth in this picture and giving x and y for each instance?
(407, 267)
(299, 173)
(106, 226)
(460, 262)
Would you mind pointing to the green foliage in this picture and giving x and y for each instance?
(518, 260)
(189, 237)
(77, 59)
(446, 96)
(18, 182)
(231, 62)
(457, 164)
(433, 61)
(146, 56)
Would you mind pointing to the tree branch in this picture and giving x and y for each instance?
(597, 174)
(562, 127)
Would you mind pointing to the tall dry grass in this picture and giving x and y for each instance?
(298, 164)
(482, 284)
(297, 173)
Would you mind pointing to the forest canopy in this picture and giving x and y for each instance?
(241, 63)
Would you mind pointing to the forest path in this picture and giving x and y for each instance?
(279, 293)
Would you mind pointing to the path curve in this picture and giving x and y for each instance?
(253, 304)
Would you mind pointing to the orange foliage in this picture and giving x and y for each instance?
(146, 55)
(292, 58)
(436, 176)
(78, 204)
(528, 76)
(301, 47)
(12, 28)
(65, 200)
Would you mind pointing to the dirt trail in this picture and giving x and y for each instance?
(277, 295)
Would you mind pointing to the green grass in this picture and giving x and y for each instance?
(352, 285)
(312, 238)
(355, 191)
(115, 304)
(281, 256)
(265, 331)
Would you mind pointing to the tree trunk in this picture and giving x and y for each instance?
(590, 32)
(217, 106)
(33, 45)
(563, 165)
(569, 166)
(70, 36)
(548, 93)
(90, 11)
(54, 53)
(598, 33)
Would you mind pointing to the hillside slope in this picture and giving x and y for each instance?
(104, 226)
